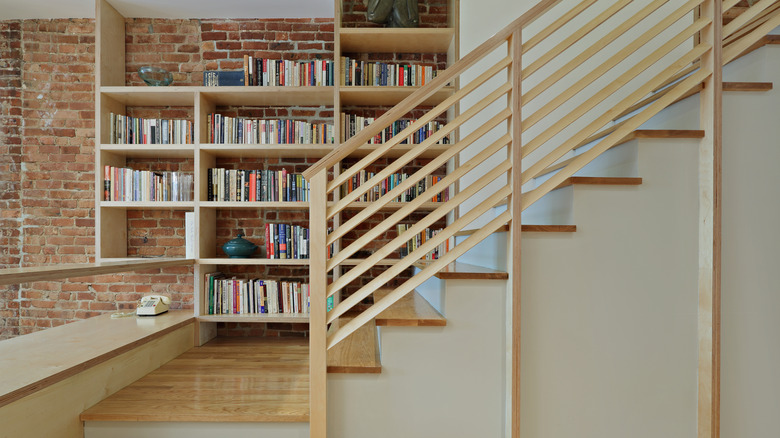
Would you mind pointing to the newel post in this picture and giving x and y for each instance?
(317, 288)
(710, 157)
(516, 51)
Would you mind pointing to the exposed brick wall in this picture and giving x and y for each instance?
(433, 13)
(10, 169)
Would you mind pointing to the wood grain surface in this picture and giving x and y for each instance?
(225, 380)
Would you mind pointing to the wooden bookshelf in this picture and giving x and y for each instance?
(114, 96)
(292, 318)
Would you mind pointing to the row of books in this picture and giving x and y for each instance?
(421, 238)
(138, 130)
(231, 296)
(351, 124)
(124, 184)
(392, 182)
(256, 185)
(226, 129)
(285, 241)
(284, 73)
(354, 72)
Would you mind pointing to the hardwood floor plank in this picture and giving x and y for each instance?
(226, 380)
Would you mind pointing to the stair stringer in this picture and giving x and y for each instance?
(435, 381)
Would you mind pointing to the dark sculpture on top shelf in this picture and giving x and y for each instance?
(394, 13)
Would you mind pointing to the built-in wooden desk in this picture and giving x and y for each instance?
(35, 361)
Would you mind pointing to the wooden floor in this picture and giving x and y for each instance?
(226, 380)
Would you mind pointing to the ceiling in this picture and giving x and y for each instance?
(21, 9)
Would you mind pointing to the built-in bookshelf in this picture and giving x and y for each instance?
(194, 150)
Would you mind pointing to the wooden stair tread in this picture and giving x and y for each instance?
(358, 353)
(599, 181)
(465, 271)
(526, 228)
(225, 380)
(410, 311)
(639, 133)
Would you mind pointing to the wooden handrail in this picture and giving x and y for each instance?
(420, 95)
(56, 272)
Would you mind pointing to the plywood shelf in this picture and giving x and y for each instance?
(268, 205)
(268, 96)
(393, 40)
(157, 205)
(150, 150)
(267, 150)
(387, 96)
(257, 318)
(254, 261)
(220, 96)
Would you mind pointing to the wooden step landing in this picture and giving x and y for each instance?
(226, 380)
(410, 311)
(465, 271)
(358, 353)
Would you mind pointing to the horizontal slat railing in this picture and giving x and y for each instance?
(675, 78)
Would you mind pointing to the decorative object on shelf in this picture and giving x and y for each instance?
(394, 13)
(239, 248)
(155, 76)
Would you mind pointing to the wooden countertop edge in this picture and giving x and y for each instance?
(59, 376)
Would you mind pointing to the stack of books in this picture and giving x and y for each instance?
(422, 237)
(284, 241)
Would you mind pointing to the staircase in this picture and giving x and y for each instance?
(609, 199)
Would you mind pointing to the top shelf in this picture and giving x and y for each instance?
(220, 96)
(386, 40)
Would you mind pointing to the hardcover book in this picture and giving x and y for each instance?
(216, 78)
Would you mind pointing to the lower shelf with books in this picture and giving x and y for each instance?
(255, 318)
(254, 296)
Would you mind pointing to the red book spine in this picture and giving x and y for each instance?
(269, 252)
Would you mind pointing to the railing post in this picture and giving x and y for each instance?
(317, 314)
(516, 51)
(708, 417)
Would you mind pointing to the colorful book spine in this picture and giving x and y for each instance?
(138, 130)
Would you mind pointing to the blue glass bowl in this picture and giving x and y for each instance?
(155, 76)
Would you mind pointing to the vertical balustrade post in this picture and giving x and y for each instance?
(516, 51)
(317, 315)
(708, 416)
